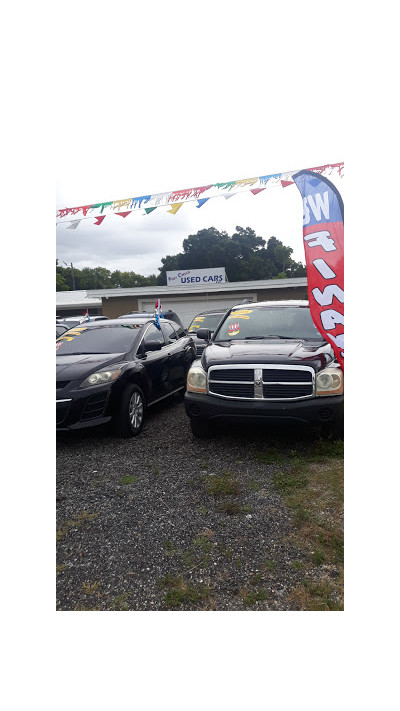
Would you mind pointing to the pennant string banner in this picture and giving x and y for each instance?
(177, 198)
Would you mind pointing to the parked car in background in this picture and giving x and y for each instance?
(111, 371)
(71, 321)
(266, 362)
(205, 319)
(168, 314)
(60, 329)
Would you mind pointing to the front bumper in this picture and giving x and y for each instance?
(314, 411)
(78, 408)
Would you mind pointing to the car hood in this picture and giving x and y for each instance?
(72, 367)
(291, 352)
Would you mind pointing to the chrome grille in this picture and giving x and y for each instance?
(256, 382)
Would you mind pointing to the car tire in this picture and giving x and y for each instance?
(128, 420)
(200, 428)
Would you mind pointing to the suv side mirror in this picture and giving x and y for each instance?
(204, 334)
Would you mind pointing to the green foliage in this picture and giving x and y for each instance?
(244, 256)
(99, 278)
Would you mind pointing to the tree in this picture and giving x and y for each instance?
(245, 255)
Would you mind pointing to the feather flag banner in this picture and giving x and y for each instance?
(324, 251)
(175, 199)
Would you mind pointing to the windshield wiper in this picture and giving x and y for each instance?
(270, 335)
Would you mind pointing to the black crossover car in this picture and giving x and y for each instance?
(112, 370)
(205, 319)
(266, 362)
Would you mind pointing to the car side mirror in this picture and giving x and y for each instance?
(204, 334)
(153, 346)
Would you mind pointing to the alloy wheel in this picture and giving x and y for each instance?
(136, 410)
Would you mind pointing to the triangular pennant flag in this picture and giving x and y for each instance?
(100, 219)
(174, 209)
(149, 209)
(257, 190)
(123, 214)
(201, 201)
(74, 224)
(285, 183)
(227, 195)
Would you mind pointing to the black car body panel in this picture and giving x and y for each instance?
(158, 373)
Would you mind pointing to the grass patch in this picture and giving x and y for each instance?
(269, 565)
(271, 456)
(225, 484)
(315, 598)
(121, 602)
(74, 523)
(250, 598)
(91, 589)
(179, 593)
(126, 480)
(311, 484)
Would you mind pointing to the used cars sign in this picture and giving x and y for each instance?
(197, 277)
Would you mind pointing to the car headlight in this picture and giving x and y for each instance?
(102, 377)
(329, 382)
(197, 380)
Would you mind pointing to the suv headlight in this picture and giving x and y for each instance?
(102, 377)
(329, 382)
(197, 380)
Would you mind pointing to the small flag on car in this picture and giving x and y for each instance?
(158, 313)
(86, 315)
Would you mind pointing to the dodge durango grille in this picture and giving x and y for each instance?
(256, 382)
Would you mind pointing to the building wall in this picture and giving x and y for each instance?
(118, 305)
(282, 294)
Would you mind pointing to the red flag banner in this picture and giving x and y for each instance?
(323, 236)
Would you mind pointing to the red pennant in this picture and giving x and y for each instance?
(124, 214)
(285, 183)
(257, 190)
(100, 219)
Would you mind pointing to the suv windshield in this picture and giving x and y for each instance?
(267, 321)
(105, 339)
(210, 321)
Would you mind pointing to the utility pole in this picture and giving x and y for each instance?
(72, 273)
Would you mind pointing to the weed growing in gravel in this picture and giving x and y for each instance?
(318, 557)
(269, 565)
(74, 523)
(121, 602)
(128, 480)
(251, 597)
(91, 589)
(225, 484)
(178, 592)
(315, 598)
(271, 456)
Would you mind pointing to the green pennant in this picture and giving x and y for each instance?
(149, 209)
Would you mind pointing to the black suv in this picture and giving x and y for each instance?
(266, 362)
(205, 319)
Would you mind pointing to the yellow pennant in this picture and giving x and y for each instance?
(174, 209)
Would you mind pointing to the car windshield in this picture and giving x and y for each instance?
(268, 322)
(210, 321)
(105, 339)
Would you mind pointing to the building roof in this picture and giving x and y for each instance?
(199, 289)
(78, 299)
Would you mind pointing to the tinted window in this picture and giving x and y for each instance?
(60, 330)
(169, 332)
(153, 334)
(286, 321)
(107, 339)
(180, 332)
(210, 321)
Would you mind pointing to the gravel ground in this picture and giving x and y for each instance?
(140, 524)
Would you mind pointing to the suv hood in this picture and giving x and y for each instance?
(316, 354)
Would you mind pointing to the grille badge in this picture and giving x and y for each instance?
(258, 383)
